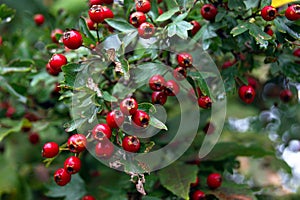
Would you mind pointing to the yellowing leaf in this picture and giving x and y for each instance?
(278, 3)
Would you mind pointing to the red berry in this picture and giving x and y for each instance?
(196, 183)
(184, 59)
(146, 30)
(57, 61)
(198, 195)
(104, 149)
(115, 119)
(286, 95)
(95, 2)
(62, 177)
(204, 102)
(107, 13)
(247, 93)
(269, 30)
(159, 97)
(10, 112)
(39, 19)
(196, 27)
(143, 6)
(72, 39)
(137, 18)
(214, 180)
(91, 24)
(34, 138)
(51, 71)
(141, 118)
(171, 88)
(193, 96)
(101, 131)
(157, 83)
(55, 34)
(297, 54)
(96, 13)
(209, 128)
(293, 12)
(159, 1)
(179, 73)
(88, 197)
(252, 82)
(269, 13)
(228, 64)
(50, 150)
(128, 106)
(160, 11)
(209, 11)
(72, 165)
(131, 143)
(1, 41)
(77, 143)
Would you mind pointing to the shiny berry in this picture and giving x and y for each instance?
(184, 59)
(286, 95)
(196, 183)
(179, 73)
(160, 11)
(77, 143)
(50, 150)
(269, 13)
(141, 118)
(228, 64)
(96, 13)
(91, 24)
(146, 30)
(115, 119)
(196, 27)
(34, 138)
(72, 39)
(143, 6)
(88, 197)
(55, 34)
(159, 97)
(198, 195)
(128, 106)
(100, 131)
(72, 165)
(51, 71)
(62, 177)
(268, 30)
(39, 19)
(204, 102)
(214, 180)
(247, 93)
(57, 61)
(95, 2)
(209, 11)
(104, 149)
(107, 13)
(157, 83)
(131, 143)
(137, 18)
(171, 88)
(293, 12)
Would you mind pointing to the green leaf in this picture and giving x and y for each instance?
(70, 71)
(109, 97)
(239, 29)
(177, 178)
(167, 15)
(16, 127)
(181, 17)
(282, 26)
(84, 29)
(146, 70)
(6, 13)
(120, 25)
(171, 29)
(4, 84)
(156, 123)
(260, 36)
(182, 28)
(236, 5)
(147, 107)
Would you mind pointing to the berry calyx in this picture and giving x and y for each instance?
(198, 195)
(57, 61)
(72, 165)
(50, 150)
(77, 143)
(141, 118)
(128, 106)
(137, 18)
(62, 177)
(146, 30)
(269, 13)
(179, 73)
(34, 138)
(115, 119)
(204, 102)
(196, 27)
(72, 39)
(143, 6)
(292, 13)
(171, 88)
(104, 149)
(209, 12)
(39, 19)
(214, 180)
(131, 143)
(247, 93)
(157, 83)
(56, 34)
(184, 59)
(88, 197)
(286, 95)
(100, 131)
(159, 97)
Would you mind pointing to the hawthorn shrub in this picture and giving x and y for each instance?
(72, 86)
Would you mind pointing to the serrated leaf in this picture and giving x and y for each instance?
(239, 29)
(157, 123)
(181, 17)
(167, 15)
(120, 25)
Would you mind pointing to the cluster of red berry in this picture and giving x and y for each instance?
(292, 13)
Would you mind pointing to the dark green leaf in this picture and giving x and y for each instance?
(167, 15)
(282, 26)
(239, 29)
(70, 71)
(109, 97)
(156, 123)
(6, 13)
(84, 29)
(120, 25)
(236, 5)
(260, 36)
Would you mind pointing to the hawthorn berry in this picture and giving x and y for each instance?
(107, 13)
(160, 11)
(1, 40)
(159, 1)
(115, 119)
(88, 197)
(286, 95)
(196, 183)
(95, 2)
(39, 19)
(247, 93)
(141, 118)
(131, 143)
(57, 61)
(55, 34)
(96, 14)
(72, 165)
(91, 24)
(104, 149)
(128, 106)
(228, 64)
(77, 143)
(269, 13)
(10, 112)
(159, 97)
(143, 6)
(179, 73)
(296, 53)
(252, 82)
(198, 195)
(171, 88)
(214, 180)
(146, 30)
(34, 138)
(196, 27)
(72, 39)
(204, 102)
(157, 83)
(292, 13)
(184, 59)
(100, 131)
(209, 12)
(50, 150)
(62, 177)
(269, 30)
(51, 71)
(137, 18)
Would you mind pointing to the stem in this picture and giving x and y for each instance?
(97, 31)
